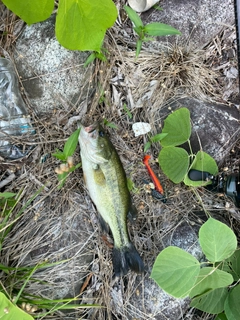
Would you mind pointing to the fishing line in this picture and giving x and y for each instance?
(237, 21)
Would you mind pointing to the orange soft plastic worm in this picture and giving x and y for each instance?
(154, 178)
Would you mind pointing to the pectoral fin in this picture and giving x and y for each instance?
(99, 177)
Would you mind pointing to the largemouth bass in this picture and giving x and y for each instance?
(106, 182)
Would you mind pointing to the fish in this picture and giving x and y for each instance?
(106, 182)
(154, 178)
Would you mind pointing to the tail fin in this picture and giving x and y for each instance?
(126, 258)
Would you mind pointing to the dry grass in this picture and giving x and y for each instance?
(62, 224)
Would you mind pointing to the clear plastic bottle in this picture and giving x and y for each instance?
(14, 120)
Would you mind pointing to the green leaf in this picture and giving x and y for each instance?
(125, 108)
(131, 185)
(147, 146)
(211, 302)
(158, 137)
(221, 316)
(157, 7)
(101, 56)
(175, 271)
(202, 162)
(8, 311)
(139, 46)
(31, 11)
(174, 162)
(7, 195)
(160, 29)
(217, 240)
(60, 156)
(90, 59)
(133, 16)
(109, 124)
(232, 265)
(139, 32)
(178, 127)
(71, 144)
(62, 179)
(81, 25)
(232, 305)
(210, 278)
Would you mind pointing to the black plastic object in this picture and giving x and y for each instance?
(14, 120)
(232, 187)
(196, 175)
(229, 184)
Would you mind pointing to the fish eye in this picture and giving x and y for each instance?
(101, 133)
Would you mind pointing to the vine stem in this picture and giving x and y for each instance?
(200, 200)
(190, 147)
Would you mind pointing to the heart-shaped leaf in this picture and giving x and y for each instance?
(217, 240)
(174, 162)
(178, 127)
(31, 11)
(175, 271)
(81, 25)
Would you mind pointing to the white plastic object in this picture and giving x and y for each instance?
(142, 5)
(141, 128)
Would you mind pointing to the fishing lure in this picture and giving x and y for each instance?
(154, 178)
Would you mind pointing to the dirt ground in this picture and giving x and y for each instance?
(61, 224)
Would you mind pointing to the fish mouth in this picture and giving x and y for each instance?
(90, 129)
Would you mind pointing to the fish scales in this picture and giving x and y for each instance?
(121, 200)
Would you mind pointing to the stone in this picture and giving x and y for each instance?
(185, 236)
(158, 304)
(198, 21)
(52, 76)
(215, 127)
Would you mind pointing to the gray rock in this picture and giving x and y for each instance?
(185, 237)
(216, 126)
(198, 21)
(51, 75)
(158, 304)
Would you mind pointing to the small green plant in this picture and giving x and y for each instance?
(7, 202)
(96, 55)
(65, 156)
(80, 25)
(131, 186)
(175, 161)
(128, 112)
(213, 285)
(151, 29)
(154, 139)
(109, 124)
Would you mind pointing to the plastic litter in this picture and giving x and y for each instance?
(14, 119)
